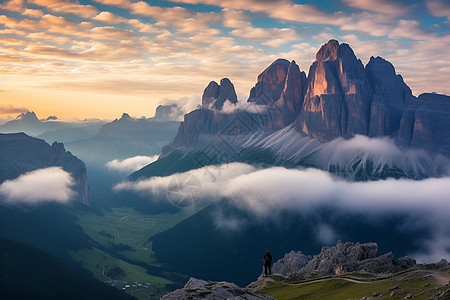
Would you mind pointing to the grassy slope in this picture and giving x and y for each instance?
(420, 283)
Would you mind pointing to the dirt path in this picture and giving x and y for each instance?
(441, 279)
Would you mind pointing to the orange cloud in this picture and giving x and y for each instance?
(13, 5)
(143, 27)
(66, 7)
(110, 18)
(34, 13)
(13, 23)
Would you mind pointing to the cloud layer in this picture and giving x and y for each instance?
(131, 164)
(43, 185)
(268, 192)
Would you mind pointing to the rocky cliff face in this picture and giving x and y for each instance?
(20, 153)
(271, 83)
(426, 124)
(390, 99)
(227, 128)
(281, 85)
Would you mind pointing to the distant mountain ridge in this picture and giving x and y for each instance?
(339, 99)
(20, 153)
(126, 137)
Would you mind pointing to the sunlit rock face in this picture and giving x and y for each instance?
(338, 95)
(426, 124)
(290, 101)
(271, 83)
(391, 97)
(281, 87)
(215, 95)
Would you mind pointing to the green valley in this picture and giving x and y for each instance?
(122, 253)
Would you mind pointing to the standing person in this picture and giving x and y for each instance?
(267, 262)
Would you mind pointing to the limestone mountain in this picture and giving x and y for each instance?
(294, 118)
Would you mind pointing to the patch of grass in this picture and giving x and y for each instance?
(99, 262)
(336, 288)
(129, 227)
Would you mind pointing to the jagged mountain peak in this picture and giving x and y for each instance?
(125, 117)
(332, 50)
(28, 117)
(271, 83)
(215, 95)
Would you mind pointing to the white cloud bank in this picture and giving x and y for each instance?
(42, 185)
(131, 164)
(266, 192)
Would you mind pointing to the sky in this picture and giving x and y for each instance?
(100, 58)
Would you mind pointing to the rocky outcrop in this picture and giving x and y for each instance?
(346, 258)
(215, 95)
(201, 289)
(20, 153)
(338, 95)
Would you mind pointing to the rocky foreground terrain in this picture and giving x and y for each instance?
(339, 272)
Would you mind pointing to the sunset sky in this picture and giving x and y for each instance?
(84, 59)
